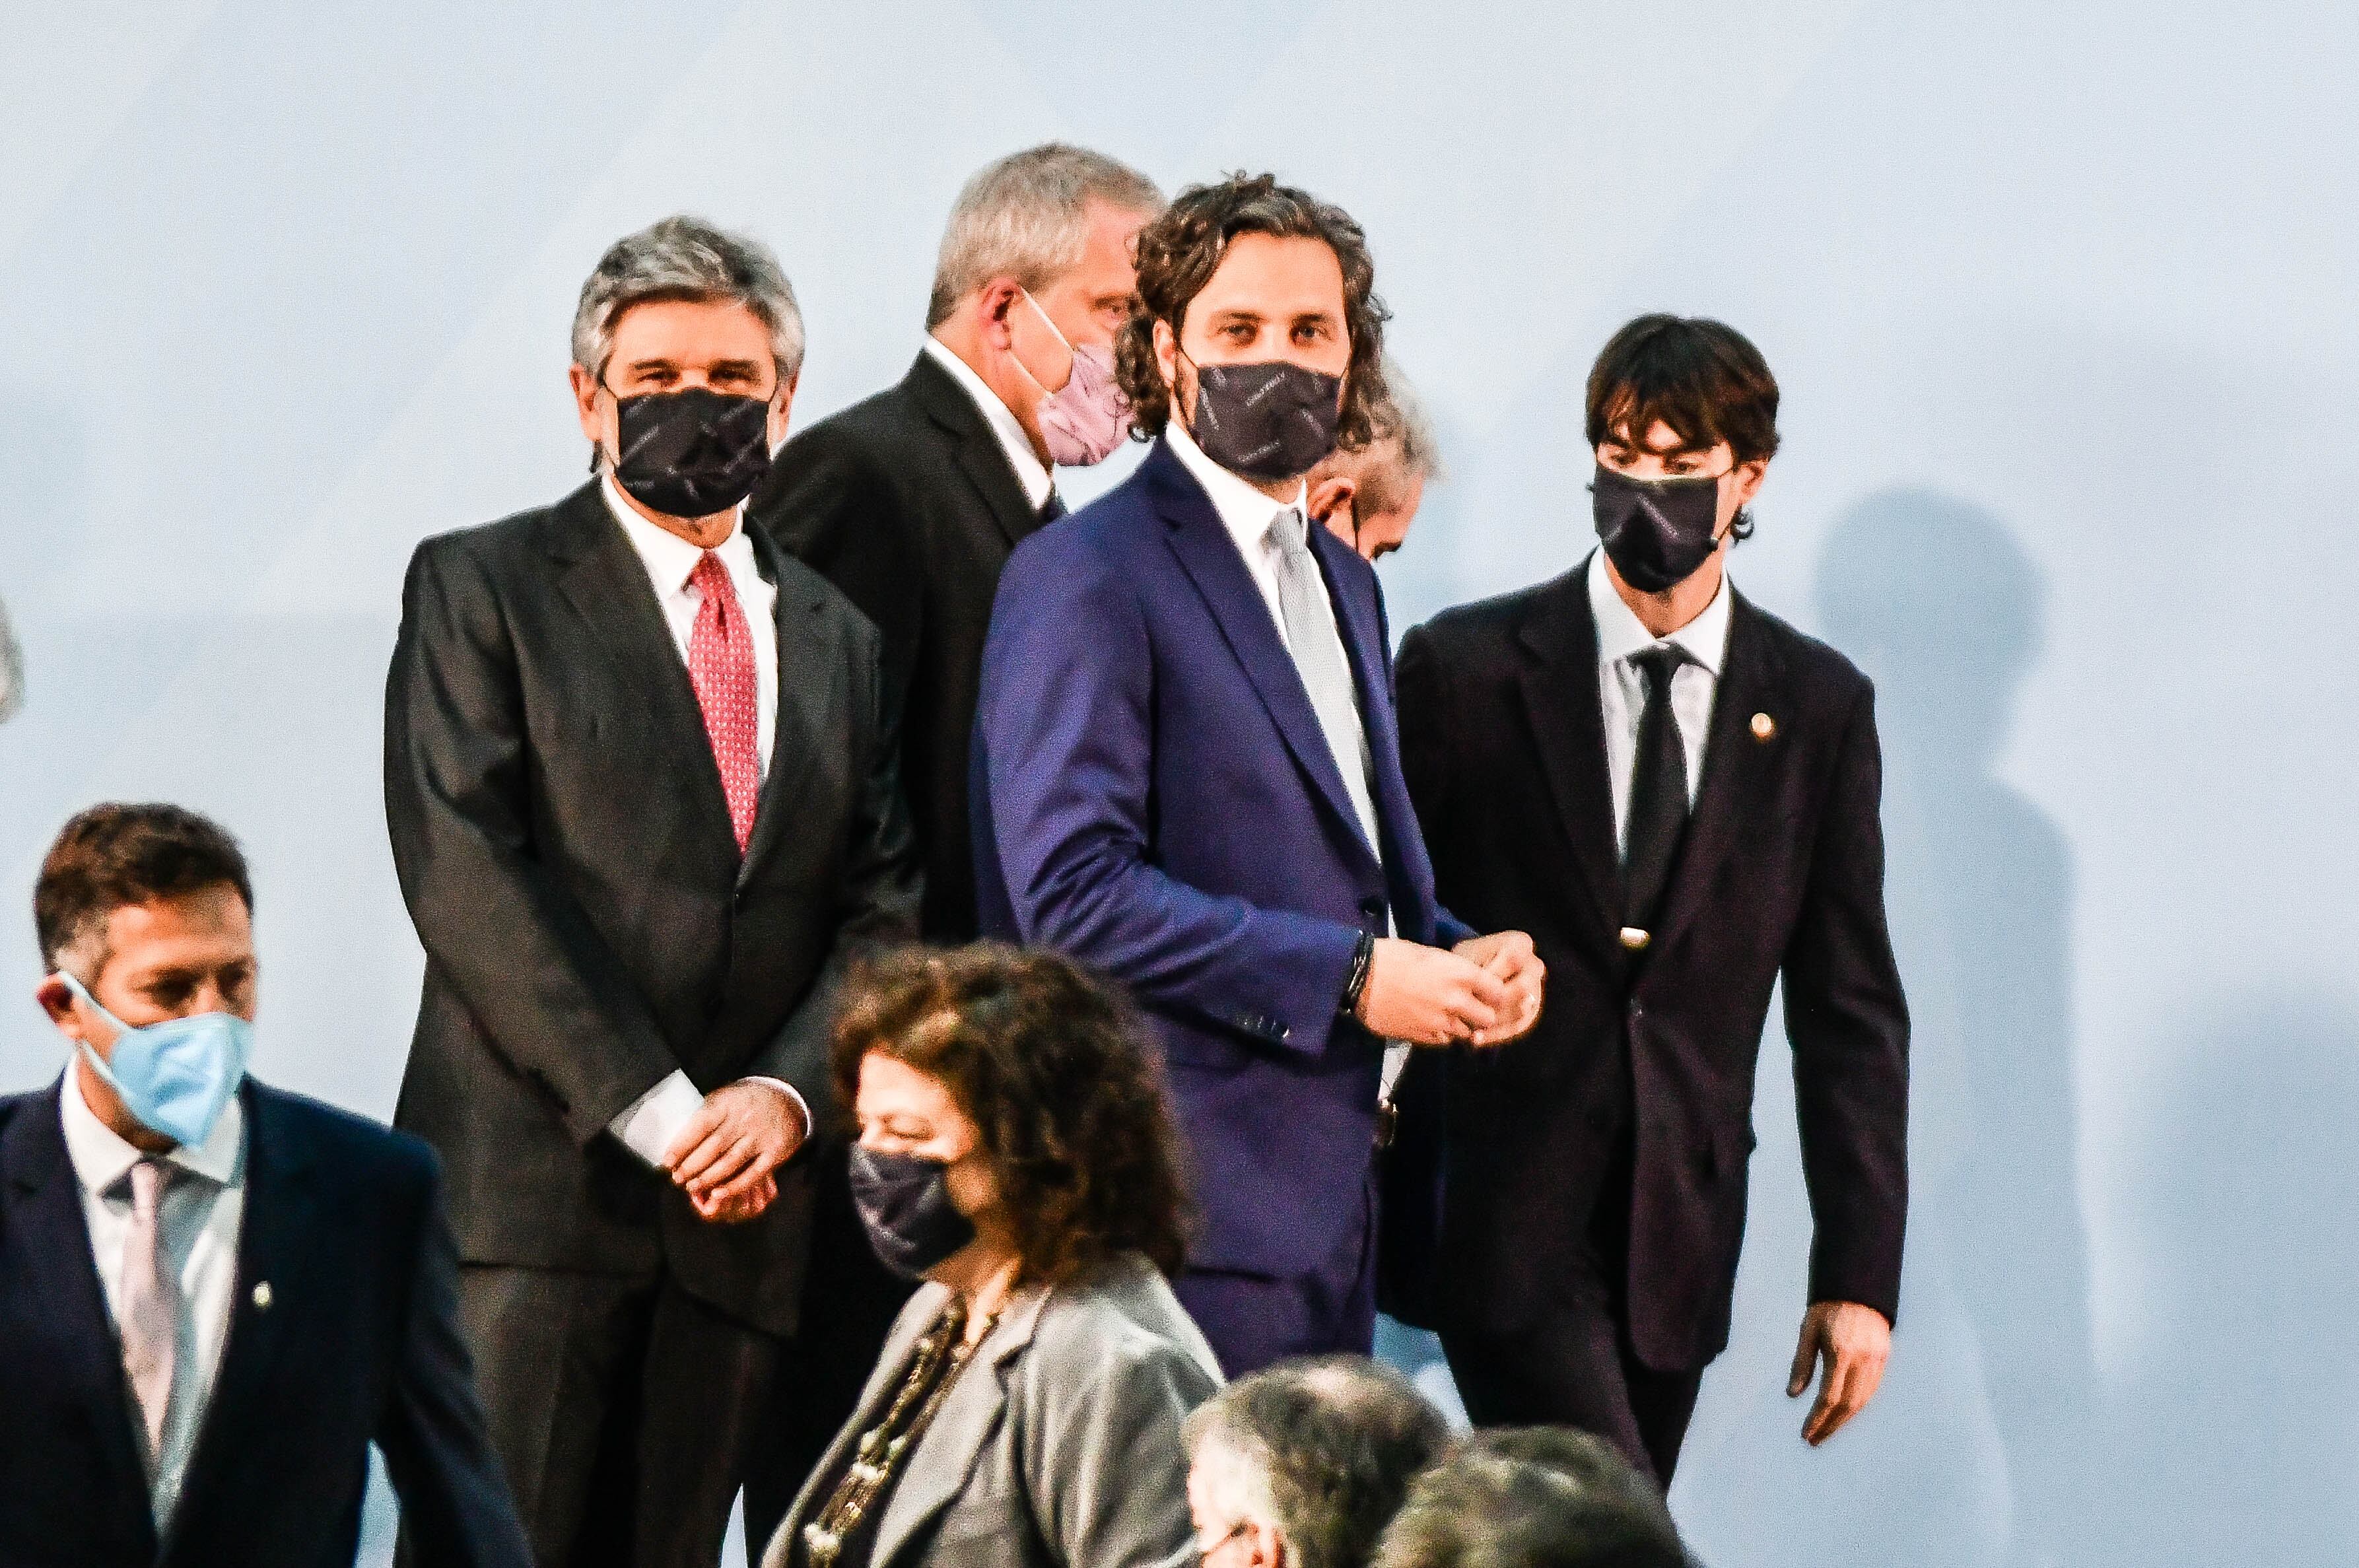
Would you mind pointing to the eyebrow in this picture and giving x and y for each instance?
(1685, 448)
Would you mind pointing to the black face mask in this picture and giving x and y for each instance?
(1271, 420)
(905, 1202)
(693, 453)
(1656, 531)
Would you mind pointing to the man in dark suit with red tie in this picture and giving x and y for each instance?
(1676, 794)
(640, 779)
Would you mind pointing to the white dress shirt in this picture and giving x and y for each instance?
(648, 1124)
(1030, 471)
(1251, 520)
(1622, 688)
(669, 561)
(197, 1224)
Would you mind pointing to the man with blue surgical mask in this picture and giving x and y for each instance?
(214, 1296)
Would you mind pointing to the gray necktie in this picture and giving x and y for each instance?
(151, 1304)
(1319, 659)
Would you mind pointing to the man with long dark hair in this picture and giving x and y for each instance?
(1185, 770)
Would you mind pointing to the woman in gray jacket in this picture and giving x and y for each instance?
(1016, 1153)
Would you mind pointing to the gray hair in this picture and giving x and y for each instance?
(1532, 1498)
(1322, 1451)
(687, 258)
(1404, 447)
(1026, 217)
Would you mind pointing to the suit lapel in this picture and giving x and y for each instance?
(1735, 765)
(1210, 558)
(1560, 689)
(971, 1412)
(43, 1211)
(275, 1249)
(606, 583)
(980, 455)
(811, 680)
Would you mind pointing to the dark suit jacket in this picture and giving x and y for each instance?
(564, 847)
(1781, 874)
(907, 503)
(1154, 795)
(359, 1343)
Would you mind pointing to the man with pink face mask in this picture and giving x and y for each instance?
(909, 503)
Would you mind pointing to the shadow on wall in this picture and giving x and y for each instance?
(1935, 599)
(2237, 1423)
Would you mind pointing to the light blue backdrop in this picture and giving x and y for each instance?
(2063, 298)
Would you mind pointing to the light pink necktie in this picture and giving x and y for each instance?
(151, 1304)
(721, 667)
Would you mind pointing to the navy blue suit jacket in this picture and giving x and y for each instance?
(1152, 794)
(356, 1340)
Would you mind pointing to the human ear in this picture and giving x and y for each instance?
(1329, 495)
(585, 407)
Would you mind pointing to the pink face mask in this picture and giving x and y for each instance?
(1084, 420)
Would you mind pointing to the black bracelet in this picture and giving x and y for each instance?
(1363, 957)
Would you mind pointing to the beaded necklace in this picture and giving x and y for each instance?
(941, 1355)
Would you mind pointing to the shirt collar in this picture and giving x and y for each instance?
(1621, 634)
(669, 558)
(102, 1157)
(1030, 471)
(1244, 511)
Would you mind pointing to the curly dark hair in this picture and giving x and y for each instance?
(1180, 250)
(1047, 1061)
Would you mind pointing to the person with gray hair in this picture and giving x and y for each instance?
(909, 503)
(1532, 1498)
(1369, 497)
(1301, 1465)
(639, 780)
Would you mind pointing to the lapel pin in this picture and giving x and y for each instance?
(1763, 726)
(262, 1296)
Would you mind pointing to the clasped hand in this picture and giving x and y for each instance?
(1485, 991)
(726, 1157)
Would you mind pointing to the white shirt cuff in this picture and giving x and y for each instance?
(648, 1124)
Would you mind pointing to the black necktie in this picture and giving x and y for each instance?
(1052, 508)
(1658, 798)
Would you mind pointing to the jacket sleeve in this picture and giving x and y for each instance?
(833, 511)
(516, 945)
(1848, 1023)
(877, 903)
(455, 1504)
(1064, 751)
(1106, 1471)
(1422, 709)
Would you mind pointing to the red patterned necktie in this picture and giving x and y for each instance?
(721, 667)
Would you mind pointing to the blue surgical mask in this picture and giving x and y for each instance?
(175, 1076)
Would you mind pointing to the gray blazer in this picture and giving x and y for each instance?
(1059, 1446)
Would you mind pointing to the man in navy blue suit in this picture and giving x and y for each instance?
(214, 1296)
(1186, 770)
